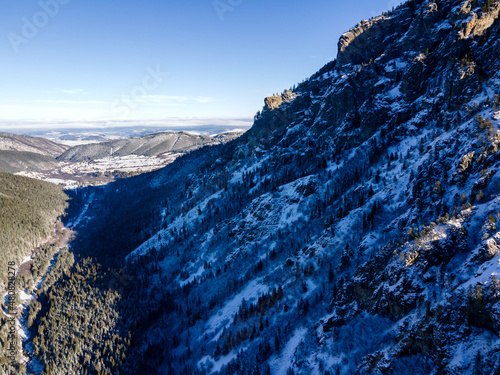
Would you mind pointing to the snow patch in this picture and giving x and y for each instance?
(280, 365)
(224, 317)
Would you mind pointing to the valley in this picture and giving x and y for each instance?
(31, 279)
(93, 160)
(72, 175)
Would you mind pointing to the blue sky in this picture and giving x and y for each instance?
(142, 60)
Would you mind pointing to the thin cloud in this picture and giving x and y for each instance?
(166, 99)
(79, 102)
(73, 91)
(202, 99)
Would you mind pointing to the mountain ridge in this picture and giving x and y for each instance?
(149, 145)
(24, 161)
(15, 142)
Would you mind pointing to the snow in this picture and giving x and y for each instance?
(397, 64)
(71, 175)
(225, 316)
(466, 351)
(382, 81)
(395, 92)
(25, 297)
(311, 287)
(445, 25)
(289, 215)
(159, 238)
(486, 94)
(485, 271)
(80, 217)
(342, 347)
(209, 363)
(192, 276)
(237, 130)
(238, 175)
(280, 365)
(21, 323)
(290, 211)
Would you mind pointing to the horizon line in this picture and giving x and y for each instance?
(110, 123)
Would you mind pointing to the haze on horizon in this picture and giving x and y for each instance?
(190, 62)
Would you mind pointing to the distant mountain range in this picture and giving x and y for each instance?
(149, 145)
(21, 153)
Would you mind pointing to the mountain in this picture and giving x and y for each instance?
(21, 153)
(352, 230)
(14, 142)
(149, 145)
(22, 161)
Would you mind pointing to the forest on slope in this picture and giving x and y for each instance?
(29, 210)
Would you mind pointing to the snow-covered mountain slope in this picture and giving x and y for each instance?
(14, 142)
(24, 153)
(149, 145)
(18, 161)
(351, 230)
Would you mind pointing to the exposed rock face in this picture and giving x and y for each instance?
(357, 45)
(275, 101)
(474, 21)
